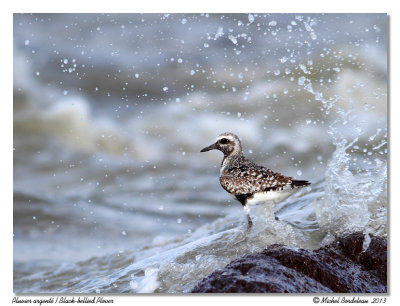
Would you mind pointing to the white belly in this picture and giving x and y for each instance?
(270, 197)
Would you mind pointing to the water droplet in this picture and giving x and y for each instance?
(284, 59)
(313, 35)
(232, 39)
(301, 80)
(251, 18)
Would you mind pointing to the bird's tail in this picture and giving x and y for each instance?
(300, 183)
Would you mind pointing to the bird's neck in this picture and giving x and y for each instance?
(229, 158)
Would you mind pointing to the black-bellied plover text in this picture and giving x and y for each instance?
(247, 182)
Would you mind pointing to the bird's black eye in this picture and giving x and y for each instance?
(223, 141)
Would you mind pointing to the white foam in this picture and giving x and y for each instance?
(149, 282)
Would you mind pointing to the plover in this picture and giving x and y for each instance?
(247, 182)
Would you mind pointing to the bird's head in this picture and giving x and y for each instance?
(227, 143)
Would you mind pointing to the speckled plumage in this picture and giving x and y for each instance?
(246, 181)
(241, 176)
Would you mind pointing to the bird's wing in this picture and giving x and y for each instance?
(248, 180)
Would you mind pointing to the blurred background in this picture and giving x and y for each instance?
(111, 111)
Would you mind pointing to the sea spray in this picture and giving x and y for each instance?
(351, 193)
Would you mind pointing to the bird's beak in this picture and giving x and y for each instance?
(212, 147)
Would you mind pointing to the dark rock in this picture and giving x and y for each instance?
(374, 259)
(258, 273)
(340, 267)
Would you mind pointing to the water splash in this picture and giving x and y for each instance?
(355, 197)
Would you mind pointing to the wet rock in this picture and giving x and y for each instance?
(374, 259)
(340, 267)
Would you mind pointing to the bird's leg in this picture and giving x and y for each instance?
(249, 222)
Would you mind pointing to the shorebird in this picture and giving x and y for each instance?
(247, 182)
